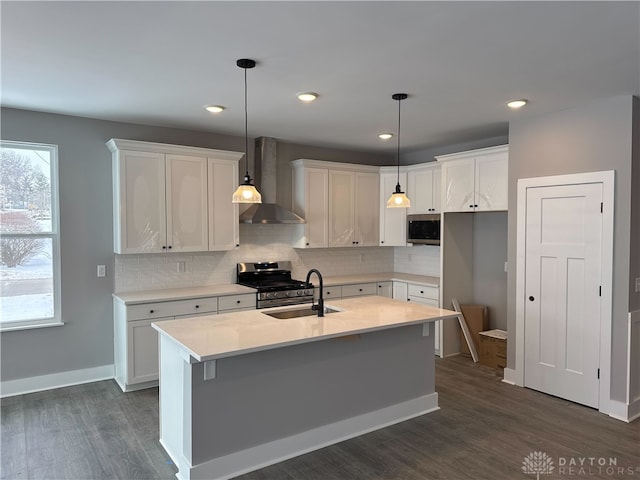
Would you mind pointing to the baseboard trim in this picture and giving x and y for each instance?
(625, 412)
(509, 376)
(10, 388)
(254, 458)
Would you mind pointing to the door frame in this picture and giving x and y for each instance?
(607, 179)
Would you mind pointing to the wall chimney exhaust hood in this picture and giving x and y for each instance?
(265, 171)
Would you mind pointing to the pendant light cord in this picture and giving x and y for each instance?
(398, 153)
(246, 126)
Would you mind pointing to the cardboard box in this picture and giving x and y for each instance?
(493, 348)
(477, 317)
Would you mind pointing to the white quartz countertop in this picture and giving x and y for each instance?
(332, 280)
(218, 336)
(170, 294)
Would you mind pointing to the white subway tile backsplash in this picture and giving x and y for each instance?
(267, 243)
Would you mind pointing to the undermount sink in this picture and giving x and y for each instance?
(299, 312)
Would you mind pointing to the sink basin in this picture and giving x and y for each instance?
(299, 312)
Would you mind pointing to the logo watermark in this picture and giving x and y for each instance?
(541, 463)
(537, 463)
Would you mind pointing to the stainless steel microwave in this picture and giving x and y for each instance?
(423, 229)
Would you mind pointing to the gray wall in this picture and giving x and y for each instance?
(591, 138)
(86, 339)
(489, 255)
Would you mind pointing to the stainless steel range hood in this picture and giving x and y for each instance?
(266, 175)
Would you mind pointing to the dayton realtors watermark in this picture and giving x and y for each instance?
(540, 463)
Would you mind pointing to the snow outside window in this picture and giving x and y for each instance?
(29, 236)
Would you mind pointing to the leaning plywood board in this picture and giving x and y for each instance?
(465, 329)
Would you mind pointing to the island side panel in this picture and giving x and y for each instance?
(265, 396)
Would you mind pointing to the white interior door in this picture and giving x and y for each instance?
(563, 281)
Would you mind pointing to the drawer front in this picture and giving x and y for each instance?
(423, 292)
(424, 301)
(359, 289)
(332, 292)
(245, 301)
(171, 309)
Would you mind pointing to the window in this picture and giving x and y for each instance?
(29, 237)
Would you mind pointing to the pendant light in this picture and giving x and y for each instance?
(398, 199)
(246, 192)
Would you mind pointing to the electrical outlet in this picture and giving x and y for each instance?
(180, 267)
(638, 285)
(102, 271)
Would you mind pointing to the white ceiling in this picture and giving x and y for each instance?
(160, 62)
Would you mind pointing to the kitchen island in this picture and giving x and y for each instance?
(243, 390)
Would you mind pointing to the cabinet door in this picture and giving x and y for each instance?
(316, 207)
(367, 213)
(385, 289)
(458, 182)
(393, 221)
(141, 224)
(420, 191)
(400, 291)
(224, 227)
(491, 182)
(341, 208)
(142, 350)
(186, 181)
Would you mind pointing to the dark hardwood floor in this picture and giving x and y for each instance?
(484, 430)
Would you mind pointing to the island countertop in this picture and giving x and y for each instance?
(213, 337)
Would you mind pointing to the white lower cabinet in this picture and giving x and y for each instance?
(355, 290)
(136, 342)
(424, 294)
(385, 289)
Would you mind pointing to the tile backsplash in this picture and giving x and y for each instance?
(266, 243)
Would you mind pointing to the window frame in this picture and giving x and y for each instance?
(54, 235)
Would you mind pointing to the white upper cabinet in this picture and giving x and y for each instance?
(162, 200)
(476, 180)
(423, 188)
(341, 208)
(339, 202)
(224, 227)
(186, 203)
(367, 213)
(393, 221)
(311, 202)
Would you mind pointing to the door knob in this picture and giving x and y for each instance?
(531, 299)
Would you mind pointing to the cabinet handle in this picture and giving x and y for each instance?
(237, 244)
(408, 299)
(421, 291)
(470, 206)
(164, 247)
(531, 299)
(169, 247)
(360, 289)
(327, 292)
(237, 301)
(197, 306)
(381, 241)
(151, 311)
(307, 244)
(476, 206)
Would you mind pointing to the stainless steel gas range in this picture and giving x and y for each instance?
(273, 283)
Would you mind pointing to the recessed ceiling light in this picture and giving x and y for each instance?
(385, 136)
(515, 104)
(214, 108)
(307, 96)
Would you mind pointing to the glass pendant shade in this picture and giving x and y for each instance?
(398, 199)
(246, 193)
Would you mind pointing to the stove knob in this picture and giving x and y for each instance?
(268, 295)
(300, 293)
(291, 293)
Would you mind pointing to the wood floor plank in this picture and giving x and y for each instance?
(484, 430)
